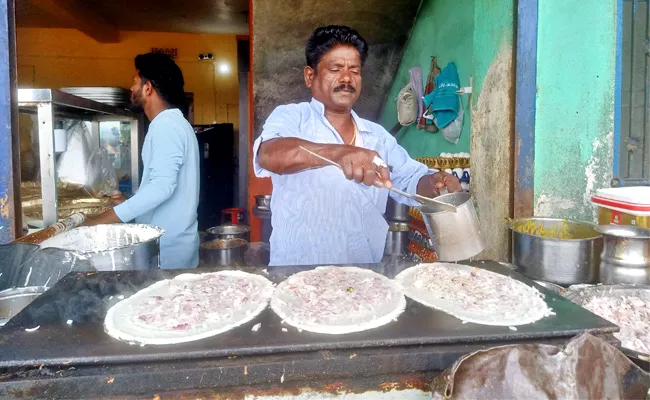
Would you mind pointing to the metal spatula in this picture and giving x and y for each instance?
(425, 201)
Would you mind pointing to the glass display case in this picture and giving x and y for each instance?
(115, 129)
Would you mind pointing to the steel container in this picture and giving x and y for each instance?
(263, 201)
(12, 301)
(556, 250)
(626, 255)
(117, 247)
(229, 232)
(395, 211)
(223, 251)
(397, 239)
(454, 236)
(267, 227)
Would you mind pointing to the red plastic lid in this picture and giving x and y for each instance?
(625, 205)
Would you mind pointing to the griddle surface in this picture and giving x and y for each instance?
(84, 299)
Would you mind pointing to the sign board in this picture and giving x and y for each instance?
(172, 53)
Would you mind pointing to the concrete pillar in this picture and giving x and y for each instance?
(491, 142)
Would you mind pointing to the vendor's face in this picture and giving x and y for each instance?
(336, 82)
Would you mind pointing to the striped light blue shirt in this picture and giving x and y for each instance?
(320, 217)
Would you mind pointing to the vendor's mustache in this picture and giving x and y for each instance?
(345, 86)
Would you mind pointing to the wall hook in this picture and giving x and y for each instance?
(467, 90)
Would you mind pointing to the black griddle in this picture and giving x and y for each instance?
(84, 298)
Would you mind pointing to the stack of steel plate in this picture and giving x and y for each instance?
(114, 96)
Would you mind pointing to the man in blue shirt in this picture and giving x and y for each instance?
(169, 192)
(318, 216)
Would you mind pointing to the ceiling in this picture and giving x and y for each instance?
(188, 16)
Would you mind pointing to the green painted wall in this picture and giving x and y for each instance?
(444, 29)
(576, 63)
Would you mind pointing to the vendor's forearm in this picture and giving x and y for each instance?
(107, 217)
(284, 155)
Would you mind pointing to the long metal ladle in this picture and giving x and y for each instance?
(426, 201)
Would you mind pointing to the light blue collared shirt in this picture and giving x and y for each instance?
(318, 216)
(169, 193)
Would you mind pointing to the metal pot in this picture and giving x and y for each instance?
(397, 212)
(224, 251)
(556, 250)
(118, 247)
(12, 301)
(397, 239)
(263, 202)
(454, 236)
(229, 232)
(626, 255)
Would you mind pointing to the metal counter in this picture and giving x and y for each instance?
(421, 341)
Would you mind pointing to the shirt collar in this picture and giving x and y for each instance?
(361, 123)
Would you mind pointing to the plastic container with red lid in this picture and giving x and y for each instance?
(623, 206)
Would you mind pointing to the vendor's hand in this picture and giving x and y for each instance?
(106, 218)
(357, 164)
(430, 185)
(116, 199)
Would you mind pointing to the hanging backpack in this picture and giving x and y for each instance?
(407, 106)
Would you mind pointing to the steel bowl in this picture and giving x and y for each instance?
(223, 251)
(12, 301)
(626, 255)
(263, 202)
(556, 250)
(229, 232)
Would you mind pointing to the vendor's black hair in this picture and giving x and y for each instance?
(165, 76)
(326, 37)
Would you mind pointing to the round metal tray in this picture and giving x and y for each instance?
(580, 294)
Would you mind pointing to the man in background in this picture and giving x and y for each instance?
(169, 192)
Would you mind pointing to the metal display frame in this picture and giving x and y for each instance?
(48, 104)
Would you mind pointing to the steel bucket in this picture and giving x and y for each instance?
(626, 255)
(556, 250)
(454, 236)
(118, 247)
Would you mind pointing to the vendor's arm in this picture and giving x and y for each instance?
(414, 177)
(278, 150)
(167, 150)
(105, 218)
